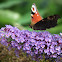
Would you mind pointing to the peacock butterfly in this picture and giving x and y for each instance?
(38, 23)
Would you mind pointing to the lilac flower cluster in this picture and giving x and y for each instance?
(33, 43)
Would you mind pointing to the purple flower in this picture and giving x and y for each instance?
(60, 40)
(47, 51)
(27, 44)
(48, 44)
(52, 46)
(33, 43)
(36, 43)
(17, 39)
(54, 56)
(13, 35)
(37, 47)
(27, 48)
(13, 44)
(48, 39)
(22, 39)
(7, 35)
(8, 26)
(52, 51)
(2, 34)
(28, 51)
(24, 48)
(58, 48)
(42, 46)
(39, 38)
(36, 51)
(4, 41)
(19, 47)
(41, 50)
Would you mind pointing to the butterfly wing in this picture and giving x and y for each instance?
(48, 22)
(35, 16)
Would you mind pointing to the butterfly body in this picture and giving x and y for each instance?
(38, 23)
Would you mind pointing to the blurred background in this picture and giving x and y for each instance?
(17, 13)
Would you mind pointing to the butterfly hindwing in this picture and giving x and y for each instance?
(48, 22)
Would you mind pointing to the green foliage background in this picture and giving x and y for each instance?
(18, 12)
